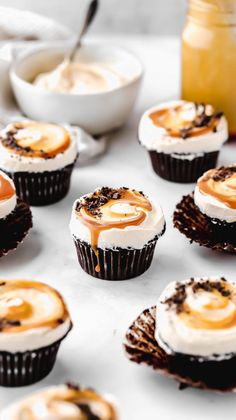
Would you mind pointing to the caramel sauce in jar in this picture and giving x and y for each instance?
(209, 56)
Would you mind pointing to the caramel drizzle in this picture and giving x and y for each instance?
(6, 188)
(96, 226)
(18, 314)
(78, 397)
(196, 320)
(185, 129)
(35, 148)
(223, 190)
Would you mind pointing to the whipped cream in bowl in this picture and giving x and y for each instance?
(97, 91)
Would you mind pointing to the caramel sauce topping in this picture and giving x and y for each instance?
(35, 139)
(109, 219)
(89, 404)
(6, 188)
(181, 121)
(23, 306)
(210, 305)
(220, 184)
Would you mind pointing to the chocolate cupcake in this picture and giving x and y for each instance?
(183, 139)
(215, 197)
(208, 216)
(33, 322)
(193, 336)
(62, 402)
(39, 157)
(115, 231)
(15, 216)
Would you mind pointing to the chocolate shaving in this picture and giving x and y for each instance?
(93, 202)
(87, 412)
(10, 142)
(4, 323)
(202, 119)
(70, 385)
(210, 286)
(223, 173)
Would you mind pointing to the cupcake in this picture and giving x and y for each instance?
(62, 402)
(115, 231)
(215, 197)
(183, 139)
(193, 336)
(33, 322)
(15, 216)
(208, 216)
(39, 157)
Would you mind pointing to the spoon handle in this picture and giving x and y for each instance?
(92, 10)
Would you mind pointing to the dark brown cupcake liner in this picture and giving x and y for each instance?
(42, 188)
(182, 170)
(21, 369)
(190, 221)
(117, 263)
(15, 227)
(142, 347)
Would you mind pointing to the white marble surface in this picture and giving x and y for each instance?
(102, 311)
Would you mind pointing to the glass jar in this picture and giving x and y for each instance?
(209, 56)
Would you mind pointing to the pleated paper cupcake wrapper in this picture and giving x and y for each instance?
(141, 347)
(42, 188)
(197, 227)
(20, 369)
(182, 170)
(15, 227)
(115, 264)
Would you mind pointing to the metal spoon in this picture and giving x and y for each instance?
(91, 12)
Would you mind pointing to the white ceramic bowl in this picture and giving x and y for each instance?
(97, 113)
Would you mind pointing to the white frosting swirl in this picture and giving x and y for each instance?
(131, 236)
(61, 403)
(41, 313)
(13, 162)
(213, 208)
(9, 204)
(175, 335)
(158, 139)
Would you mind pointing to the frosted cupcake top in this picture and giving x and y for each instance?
(7, 195)
(215, 193)
(63, 402)
(116, 217)
(198, 317)
(183, 127)
(36, 147)
(32, 315)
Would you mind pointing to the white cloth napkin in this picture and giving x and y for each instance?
(21, 30)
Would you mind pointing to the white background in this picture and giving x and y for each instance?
(102, 310)
(120, 16)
